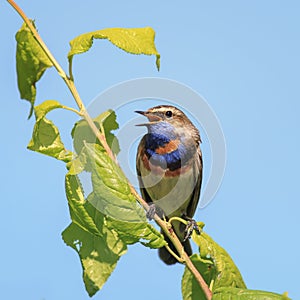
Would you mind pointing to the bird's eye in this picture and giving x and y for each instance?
(169, 114)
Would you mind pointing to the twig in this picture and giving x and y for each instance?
(101, 137)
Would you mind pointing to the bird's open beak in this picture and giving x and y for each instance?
(153, 119)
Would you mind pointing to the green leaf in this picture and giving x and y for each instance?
(244, 294)
(110, 218)
(46, 138)
(31, 64)
(131, 40)
(108, 120)
(113, 198)
(226, 272)
(98, 254)
(99, 247)
(41, 110)
(77, 165)
(133, 232)
(81, 132)
(189, 285)
(76, 202)
(220, 273)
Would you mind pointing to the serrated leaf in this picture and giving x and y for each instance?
(31, 64)
(98, 254)
(81, 131)
(113, 198)
(189, 286)
(131, 40)
(244, 294)
(108, 119)
(227, 274)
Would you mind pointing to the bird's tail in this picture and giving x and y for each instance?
(167, 257)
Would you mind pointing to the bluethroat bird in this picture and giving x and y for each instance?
(169, 169)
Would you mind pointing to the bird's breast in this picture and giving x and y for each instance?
(160, 166)
(169, 154)
(165, 157)
(167, 169)
(169, 189)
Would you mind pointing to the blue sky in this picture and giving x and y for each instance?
(243, 58)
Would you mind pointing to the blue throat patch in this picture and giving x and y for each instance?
(172, 160)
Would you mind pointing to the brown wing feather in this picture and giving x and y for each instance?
(198, 169)
(140, 153)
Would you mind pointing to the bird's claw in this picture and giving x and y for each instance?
(190, 226)
(151, 212)
(153, 209)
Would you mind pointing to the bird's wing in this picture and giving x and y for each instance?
(198, 168)
(140, 154)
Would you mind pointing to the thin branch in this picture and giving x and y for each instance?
(73, 110)
(101, 137)
(64, 76)
(176, 242)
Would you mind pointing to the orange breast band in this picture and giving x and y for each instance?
(169, 147)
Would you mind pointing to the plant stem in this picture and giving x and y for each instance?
(101, 137)
(63, 75)
(72, 109)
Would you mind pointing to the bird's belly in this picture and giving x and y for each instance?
(171, 193)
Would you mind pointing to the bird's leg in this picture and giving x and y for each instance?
(154, 209)
(190, 226)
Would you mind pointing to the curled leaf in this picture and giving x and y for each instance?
(131, 40)
(46, 138)
(32, 62)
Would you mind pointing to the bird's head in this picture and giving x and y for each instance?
(170, 121)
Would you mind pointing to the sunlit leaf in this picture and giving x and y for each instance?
(107, 221)
(41, 110)
(216, 267)
(227, 273)
(244, 294)
(98, 254)
(76, 202)
(46, 138)
(189, 285)
(112, 196)
(31, 64)
(99, 247)
(131, 40)
(81, 131)
(108, 119)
